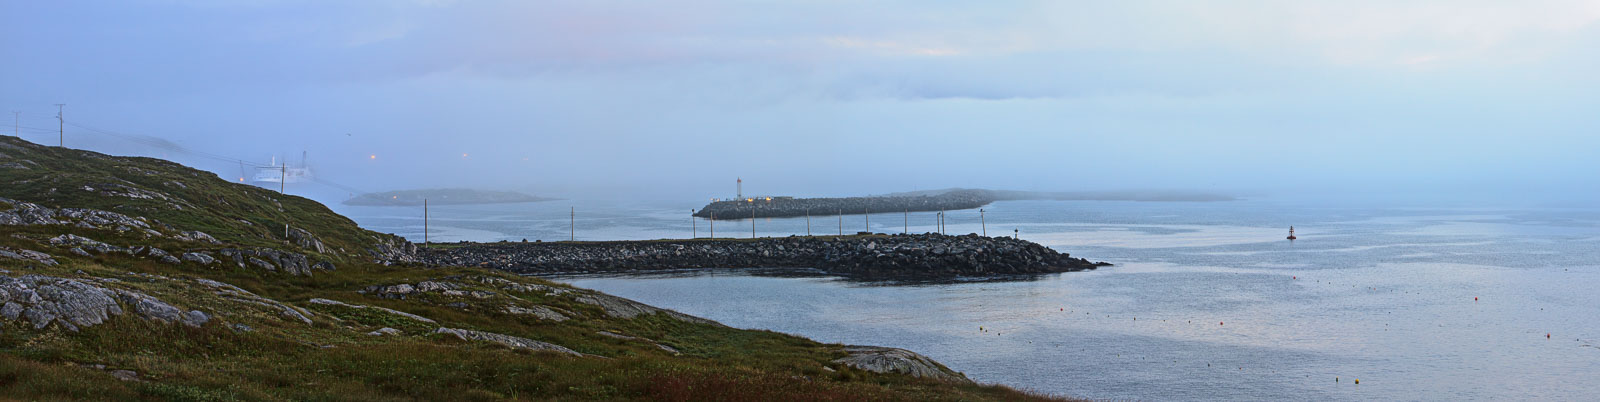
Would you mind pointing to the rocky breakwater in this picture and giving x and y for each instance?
(788, 207)
(919, 256)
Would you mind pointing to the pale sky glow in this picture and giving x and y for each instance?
(808, 97)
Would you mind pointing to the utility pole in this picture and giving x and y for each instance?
(61, 125)
(424, 222)
(572, 224)
(808, 222)
(694, 227)
(983, 222)
(752, 223)
(841, 222)
(867, 213)
(906, 226)
(713, 224)
(283, 177)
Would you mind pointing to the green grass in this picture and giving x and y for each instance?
(199, 200)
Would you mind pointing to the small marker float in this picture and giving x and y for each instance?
(1291, 233)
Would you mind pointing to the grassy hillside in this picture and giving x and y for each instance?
(177, 195)
(268, 335)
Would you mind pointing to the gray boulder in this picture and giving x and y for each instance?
(623, 308)
(150, 307)
(893, 360)
(537, 311)
(44, 299)
(384, 331)
(305, 240)
(196, 318)
(201, 258)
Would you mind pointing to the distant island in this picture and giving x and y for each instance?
(927, 200)
(446, 196)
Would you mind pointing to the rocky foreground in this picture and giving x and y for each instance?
(918, 256)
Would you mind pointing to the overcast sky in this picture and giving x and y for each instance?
(832, 97)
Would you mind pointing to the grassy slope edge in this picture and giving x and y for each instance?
(333, 358)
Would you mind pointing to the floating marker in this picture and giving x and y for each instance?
(1219, 322)
(1474, 298)
(1358, 381)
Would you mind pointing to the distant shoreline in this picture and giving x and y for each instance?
(922, 201)
(441, 197)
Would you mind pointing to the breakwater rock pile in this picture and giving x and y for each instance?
(917, 256)
(789, 207)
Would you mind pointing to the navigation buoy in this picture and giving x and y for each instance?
(1219, 322)
(1291, 233)
(1474, 298)
(1358, 381)
(1547, 335)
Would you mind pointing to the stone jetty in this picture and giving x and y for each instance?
(914, 257)
(788, 207)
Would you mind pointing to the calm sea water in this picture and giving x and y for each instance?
(1207, 301)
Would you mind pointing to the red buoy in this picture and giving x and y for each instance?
(1291, 233)
(1219, 322)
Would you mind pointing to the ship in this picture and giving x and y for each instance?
(275, 174)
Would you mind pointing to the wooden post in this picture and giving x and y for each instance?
(983, 222)
(424, 222)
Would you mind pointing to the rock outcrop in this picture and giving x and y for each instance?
(507, 340)
(922, 256)
(13, 212)
(274, 260)
(76, 304)
(27, 255)
(892, 360)
(386, 310)
(787, 206)
(618, 307)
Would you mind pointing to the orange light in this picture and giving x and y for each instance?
(372, 157)
(463, 155)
